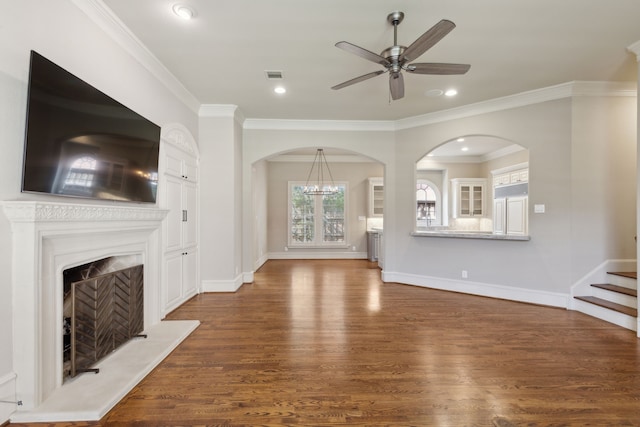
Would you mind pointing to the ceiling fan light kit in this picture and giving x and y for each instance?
(396, 58)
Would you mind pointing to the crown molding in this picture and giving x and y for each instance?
(340, 125)
(302, 158)
(635, 49)
(552, 93)
(218, 110)
(102, 16)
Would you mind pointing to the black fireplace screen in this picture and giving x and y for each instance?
(107, 311)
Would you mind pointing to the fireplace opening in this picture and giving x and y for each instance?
(103, 307)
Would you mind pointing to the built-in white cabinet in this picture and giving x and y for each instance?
(468, 197)
(510, 215)
(511, 177)
(178, 193)
(499, 215)
(516, 210)
(511, 200)
(376, 197)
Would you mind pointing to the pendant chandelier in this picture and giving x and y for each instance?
(320, 170)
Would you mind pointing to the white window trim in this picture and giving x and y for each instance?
(315, 244)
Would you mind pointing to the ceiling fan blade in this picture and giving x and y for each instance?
(396, 85)
(428, 39)
(363, 53)
(358, 79)
(436, 68)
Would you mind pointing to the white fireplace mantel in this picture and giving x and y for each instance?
(49, 237)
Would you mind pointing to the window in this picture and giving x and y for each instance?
(426, 201)
(317, 220)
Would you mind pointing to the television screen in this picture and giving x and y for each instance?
(82, 143)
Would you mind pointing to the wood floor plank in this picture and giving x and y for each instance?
(320, 343)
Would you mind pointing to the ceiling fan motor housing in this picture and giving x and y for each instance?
(394, 18)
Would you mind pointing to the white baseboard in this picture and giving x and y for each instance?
(260, 262)
(295, 254)
(553, 299)
(247, 277)
(223, 285)
(7, 394)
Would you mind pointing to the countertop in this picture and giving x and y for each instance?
(461, 234)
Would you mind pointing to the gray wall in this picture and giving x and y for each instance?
(355, 174)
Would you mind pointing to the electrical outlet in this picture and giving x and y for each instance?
(465, 274)
(353, 248)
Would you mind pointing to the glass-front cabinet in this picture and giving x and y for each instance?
(468, 199)
(376, 197)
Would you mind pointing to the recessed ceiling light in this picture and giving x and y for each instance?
(451, 92)
(279, 90)
(184, 12)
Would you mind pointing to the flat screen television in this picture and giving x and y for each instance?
(82, 143)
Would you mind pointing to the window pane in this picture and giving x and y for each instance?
(302, 216)
(333, 216)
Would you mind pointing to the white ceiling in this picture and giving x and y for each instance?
(512, 46)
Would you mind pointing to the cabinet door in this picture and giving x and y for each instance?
(477, 198)
(517, 215)
(465, 200)
(189, 273)
(190, 219)
(376, 197)
(172, 161)
(190, 170)
(173, 280)
(173, 222)
(499, 216)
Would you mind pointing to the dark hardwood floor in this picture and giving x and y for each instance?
(318, 343)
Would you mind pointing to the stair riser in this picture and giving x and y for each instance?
(623, 320)
(616, 297)
(622, 281)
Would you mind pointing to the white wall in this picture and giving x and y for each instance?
(62, 32)
(221, 186)
(259, 213)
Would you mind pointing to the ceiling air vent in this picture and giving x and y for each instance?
(273, 75)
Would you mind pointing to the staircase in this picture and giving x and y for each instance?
(615, 302)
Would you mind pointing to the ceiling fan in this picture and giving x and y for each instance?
(396, 58)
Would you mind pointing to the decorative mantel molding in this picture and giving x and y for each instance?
(32, 211)
(47, 238)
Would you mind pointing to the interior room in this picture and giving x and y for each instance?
(168, 148)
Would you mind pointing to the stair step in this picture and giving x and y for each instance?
(616, 288)
(629, 274)
(610, 305)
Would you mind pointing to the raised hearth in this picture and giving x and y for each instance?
(48, 238)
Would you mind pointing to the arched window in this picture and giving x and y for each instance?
(426, 205)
